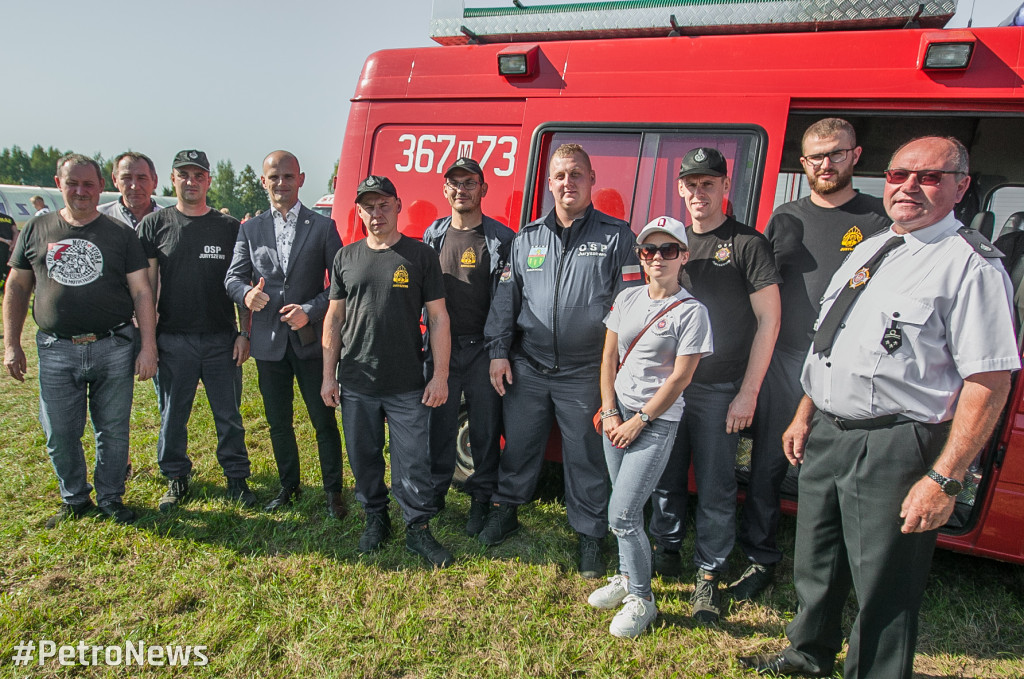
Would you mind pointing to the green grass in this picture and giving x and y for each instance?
(287, 595)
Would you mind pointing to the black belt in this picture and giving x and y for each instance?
(870, 423)
(542, 369)
(91, 337)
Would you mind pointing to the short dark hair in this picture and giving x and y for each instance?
(134, 156)
(961, 158)
(77, 159)
(829, 127)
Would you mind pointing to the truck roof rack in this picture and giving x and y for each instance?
(452, 23)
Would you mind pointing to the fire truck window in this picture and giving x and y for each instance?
(1005, 202)
(614, 158)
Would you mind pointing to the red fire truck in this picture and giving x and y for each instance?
(640, 83)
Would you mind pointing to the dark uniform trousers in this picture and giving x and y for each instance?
(468, 373)
(276, 382)
(531, 402)
(852, 485)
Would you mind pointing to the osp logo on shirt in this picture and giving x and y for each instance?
(535, 257)
(73, 261)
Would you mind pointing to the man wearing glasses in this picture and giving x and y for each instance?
(908, 371)
(732, 272)
(473, 249)
(810, 237)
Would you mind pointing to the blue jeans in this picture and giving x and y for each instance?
(701, 437)
(634, 471)
(73, 377)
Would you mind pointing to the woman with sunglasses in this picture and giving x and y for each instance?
(656, 335)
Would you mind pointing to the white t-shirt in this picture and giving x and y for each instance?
(684, 331)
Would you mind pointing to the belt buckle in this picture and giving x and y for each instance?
(839, 422)
(84, 339)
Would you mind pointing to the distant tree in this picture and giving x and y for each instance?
(251, 196)
(224, 188)
(334, 177)
(108, 170)
(167, 191)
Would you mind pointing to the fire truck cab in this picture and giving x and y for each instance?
(639, 84)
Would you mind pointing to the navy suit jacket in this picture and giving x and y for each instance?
(309, 263)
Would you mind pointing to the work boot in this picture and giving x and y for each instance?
(706, 598)
(118, 512)
(754, 580)
(477, 517)
(419, 540)
(238, 491)
(666, 562)
(69, 512)
(376, 532)
(502, 521)
(177, 490)
(591, 561)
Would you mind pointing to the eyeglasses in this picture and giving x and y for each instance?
(837, 156)
(468, 185)
(647, 251)
(924, 177)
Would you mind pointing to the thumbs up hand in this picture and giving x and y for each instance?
(256, 299)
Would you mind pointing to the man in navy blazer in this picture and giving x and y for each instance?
(280, 263)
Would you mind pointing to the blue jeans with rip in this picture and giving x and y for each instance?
(634, 471)
(75, 379)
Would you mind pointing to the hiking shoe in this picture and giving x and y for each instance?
(754, 580)
(666, 562)
(477, 517)
(238, 491)
(502, 521)
(634, 617)
(177, 490)
(611, 595)
(118, 512)
(376, 532)
(591, 562)
(69, 512)
(419, 540)
(706, 598)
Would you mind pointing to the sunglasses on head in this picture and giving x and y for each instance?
(647, 251)
(924, 177)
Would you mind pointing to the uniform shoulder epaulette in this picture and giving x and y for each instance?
(983, 246)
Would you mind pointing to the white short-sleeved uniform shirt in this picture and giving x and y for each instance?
(683, 331)
(951, 308)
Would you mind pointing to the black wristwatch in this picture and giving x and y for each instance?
(644, 417)
(950, 487)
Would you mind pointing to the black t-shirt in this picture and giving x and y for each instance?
(466, 265)
(384, 293)
(727, 265)
(810, 242)
(81, 272)
(193, 254)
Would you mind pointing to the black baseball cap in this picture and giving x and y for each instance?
(376, 184)
(467, 164)
(191, 157)
(703, 160)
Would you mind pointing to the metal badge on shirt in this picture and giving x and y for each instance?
(893, 338)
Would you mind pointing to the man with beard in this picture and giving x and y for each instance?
(134, 175)
(810, 238)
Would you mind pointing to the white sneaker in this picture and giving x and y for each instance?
(611, 595)
(634, 617)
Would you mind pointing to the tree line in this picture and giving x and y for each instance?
(239, 192)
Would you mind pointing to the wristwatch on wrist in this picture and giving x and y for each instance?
(244, 333)
(950, 487)
(644, 417)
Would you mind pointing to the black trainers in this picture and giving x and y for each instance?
(477, 517)
(376, 532)
(177, 490)
(666, 562)
(238, 491)
(754, 580)
(118, 512)
(706, 598)
(591, 561)
(419, 540)
(69, 512)
(502, 521)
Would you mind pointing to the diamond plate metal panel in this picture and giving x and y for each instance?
(453, 23)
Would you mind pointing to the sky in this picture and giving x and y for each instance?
(234, 79)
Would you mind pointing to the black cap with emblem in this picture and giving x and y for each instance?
(376, 184)
(191, 157)
(703, 160)
(467, 164)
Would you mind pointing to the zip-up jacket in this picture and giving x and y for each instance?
(497, 237)
(551, 302)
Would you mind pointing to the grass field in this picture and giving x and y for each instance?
(287, 595)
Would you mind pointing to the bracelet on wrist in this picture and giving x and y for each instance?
(611, 412)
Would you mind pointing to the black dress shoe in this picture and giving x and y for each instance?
(777, 665)
(118, 512)
(336, 505)
(284, 498)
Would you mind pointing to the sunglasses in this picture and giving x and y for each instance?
(647, 251)
(924, 177)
